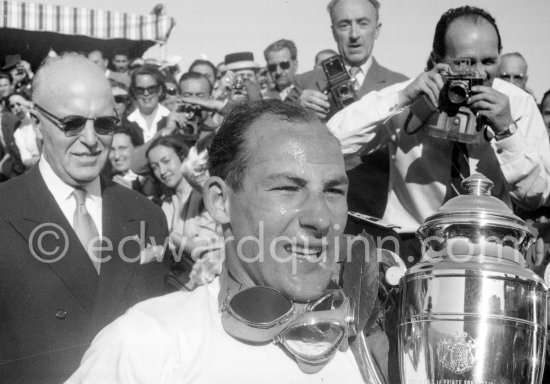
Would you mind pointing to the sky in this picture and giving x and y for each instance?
(216, 27)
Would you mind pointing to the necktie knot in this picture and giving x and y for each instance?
(353, 71)
(79, 195)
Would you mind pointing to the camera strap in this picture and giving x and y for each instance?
(460, 169)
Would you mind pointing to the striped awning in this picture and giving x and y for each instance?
(98, 24)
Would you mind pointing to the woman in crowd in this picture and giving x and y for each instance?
(195, 237)
(24, 135)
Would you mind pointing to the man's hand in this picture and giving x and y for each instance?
(316, 101)
(208, 104)
(174, 121)
(429, 83)
(492, 105)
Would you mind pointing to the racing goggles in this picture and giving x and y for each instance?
(312, 332)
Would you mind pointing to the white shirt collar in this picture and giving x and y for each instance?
(62, 194)
(136, 117)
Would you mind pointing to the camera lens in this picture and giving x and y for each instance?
(458, 93)
(343, 90)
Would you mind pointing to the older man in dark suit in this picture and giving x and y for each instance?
(76, 250)
(355, 26)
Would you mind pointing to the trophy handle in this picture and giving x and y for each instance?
(367, 366)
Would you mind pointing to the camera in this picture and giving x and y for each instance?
(190, 110)
(458, 86)
(238, 84)
(339, 81)
(452, 119)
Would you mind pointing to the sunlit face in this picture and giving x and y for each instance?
(545, 110)
(85, 91)
(121, 63)
(477, 41)
(148, 101)
(17, 107)
(282, 78)
(205, 70)
(246, 74)
(166, 165)
(354, 28)
(121, 153)
(294, 199)
(514, 70)
(5, 87)
(199, 88)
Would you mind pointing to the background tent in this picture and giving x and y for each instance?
(32, 29)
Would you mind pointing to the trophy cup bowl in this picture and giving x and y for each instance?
(470, 312)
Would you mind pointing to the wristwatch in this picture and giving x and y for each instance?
(512, 128)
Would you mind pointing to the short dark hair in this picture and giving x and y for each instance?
(6, 75)
(473, 14)
(175, 142)
(120, 52)
(282, 44)
(203, 62)
(229, 153)
(135, 138)
(147, 70)
(375, 4)
(195, 76)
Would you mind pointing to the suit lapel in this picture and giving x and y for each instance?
(58, 246)
(374, 79)
(123, 231)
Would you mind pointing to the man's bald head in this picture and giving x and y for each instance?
(56, 73)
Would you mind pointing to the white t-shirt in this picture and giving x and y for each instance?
(179, 338)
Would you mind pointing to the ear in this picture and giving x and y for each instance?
(216, 199)
(377, 31)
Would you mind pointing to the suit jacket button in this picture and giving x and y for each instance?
(61, 314)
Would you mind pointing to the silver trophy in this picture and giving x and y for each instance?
(470, 312)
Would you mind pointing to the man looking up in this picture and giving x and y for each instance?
(278, 176)
(282, 63)
(72, 260)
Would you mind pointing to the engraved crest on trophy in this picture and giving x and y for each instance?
(457, 353)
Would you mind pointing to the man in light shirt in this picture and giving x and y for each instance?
(279, 192)
(77, 250)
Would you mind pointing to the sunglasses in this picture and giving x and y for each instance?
(140, 91)
(121, 99)
(283, 64)
(172, 91)
(73, 125)
(312, 332)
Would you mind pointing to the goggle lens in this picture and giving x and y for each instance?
(315, 342)
(262, 306)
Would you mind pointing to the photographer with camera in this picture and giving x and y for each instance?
(418, 120)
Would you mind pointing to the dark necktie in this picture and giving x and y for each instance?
(353, 72)
(460, 169)
(84, 227)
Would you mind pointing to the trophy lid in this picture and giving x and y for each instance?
(477, 215)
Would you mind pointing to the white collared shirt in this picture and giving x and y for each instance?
(148, 132)
(62, 194)
(364, 68)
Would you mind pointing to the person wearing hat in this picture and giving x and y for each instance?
(21, 73)
(240, 81)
